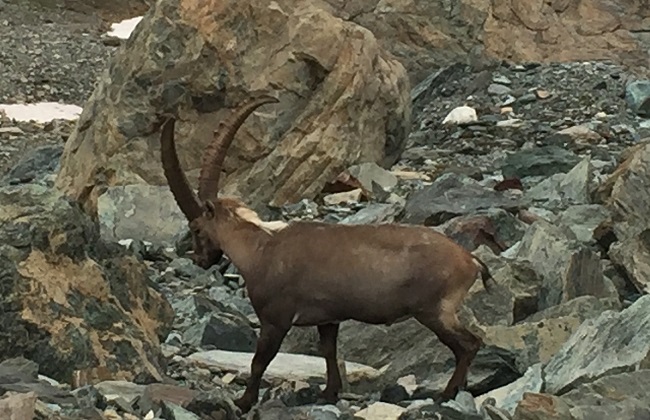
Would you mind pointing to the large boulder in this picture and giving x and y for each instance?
(80, 308)
(343, 100)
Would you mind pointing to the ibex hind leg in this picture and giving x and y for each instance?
(460, 341)
(328, 334)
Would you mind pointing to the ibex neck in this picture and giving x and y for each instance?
(242, 245)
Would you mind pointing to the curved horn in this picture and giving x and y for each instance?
(223, 137)
(178, 183)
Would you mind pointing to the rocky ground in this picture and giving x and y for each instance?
(548, 184)
(52, 51)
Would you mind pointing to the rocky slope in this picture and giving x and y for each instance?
(548, 184)
(426, 34)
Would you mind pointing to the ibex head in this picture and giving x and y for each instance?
(206, 252)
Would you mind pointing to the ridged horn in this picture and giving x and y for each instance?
(178, 184)
(216, 151)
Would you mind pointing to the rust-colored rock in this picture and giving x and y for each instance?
(157, 393)
(343, 100)
(17, 406)
(542, 407)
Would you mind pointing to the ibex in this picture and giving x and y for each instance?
(321, 274)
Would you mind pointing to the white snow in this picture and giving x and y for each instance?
(41, 112)
(124, 28)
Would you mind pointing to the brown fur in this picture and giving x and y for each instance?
(321, 274)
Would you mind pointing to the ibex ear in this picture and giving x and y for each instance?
(208, 209)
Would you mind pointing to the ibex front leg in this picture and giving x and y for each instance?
(268, 344)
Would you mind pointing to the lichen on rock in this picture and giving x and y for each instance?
(71, 302)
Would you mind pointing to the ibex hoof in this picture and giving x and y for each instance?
(329, 397)
(448, 394)
(243, 404)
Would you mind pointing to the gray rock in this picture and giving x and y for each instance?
(126, 390)
(204, 321)
(463, 402)
(185, 268)
(614, 342)
(581, 134)
(507, 397)
(490, 412)
(277, 410)
(583, 219)
(325, 412)
(435, 411)
(627, 409)
(142, 212)
(496, 228)
(374, 213)
(225, 296)
(370, 173)
(520, 298)
(562, 190)
(620, 396)
(498, 89)
(582, 307)
(637, 96)
(453, 195)
(538, 161)
(37, 164)
(302, 340)
(173, 411)
(410, 348)
(501, 79)
(494, 308)
(568, 268)
(633, 255)
(21, 375)
(222, 331)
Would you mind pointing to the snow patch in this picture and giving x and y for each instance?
(124, 28)
(41, 112)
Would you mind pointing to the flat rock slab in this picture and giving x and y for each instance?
(539, 161)
(380, 411)
(129, 391)
(614, 342)
(285, 366)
